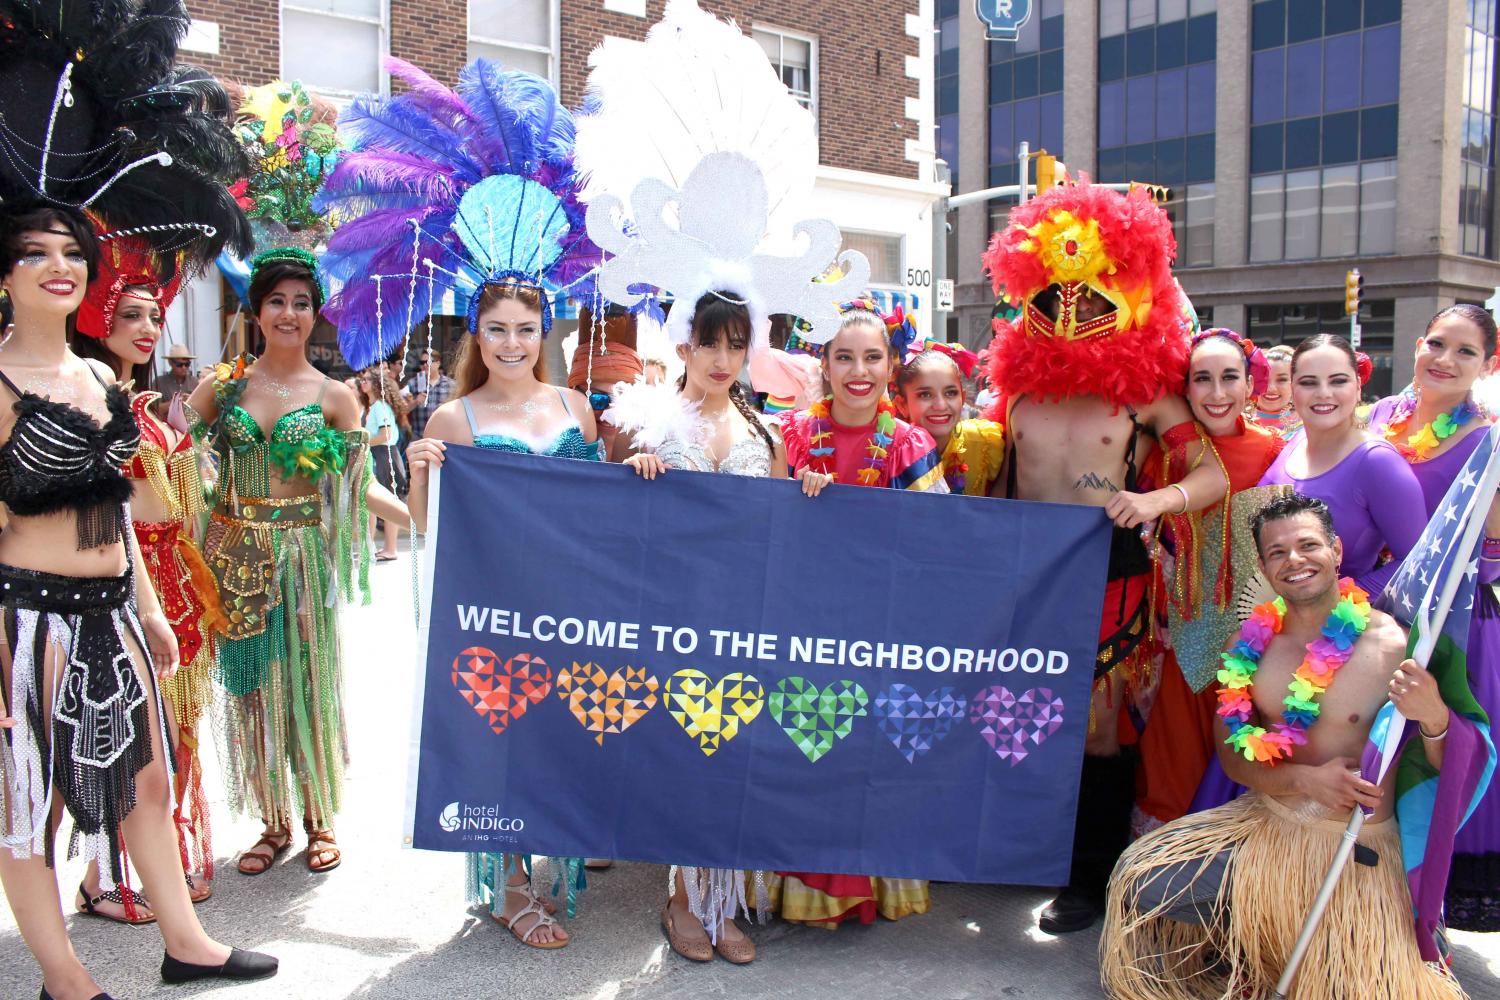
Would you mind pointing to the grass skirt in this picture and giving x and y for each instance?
(286, 742)
(1364, 947)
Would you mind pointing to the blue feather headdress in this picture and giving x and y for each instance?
(450, 189)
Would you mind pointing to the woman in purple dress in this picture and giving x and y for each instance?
(1374, 496)
(1372, 493)
(1435, 424)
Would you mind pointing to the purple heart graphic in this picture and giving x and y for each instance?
(1012, 725)
(915, 723)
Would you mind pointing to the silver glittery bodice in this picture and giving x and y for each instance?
(749, 456)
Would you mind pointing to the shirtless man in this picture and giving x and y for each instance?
(1274, 844)
(1090, 378)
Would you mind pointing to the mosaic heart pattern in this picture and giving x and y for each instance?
(713, 713)
(605, 703)
(916, 723)
(500, 692)
(1014, 725)
(816, 720)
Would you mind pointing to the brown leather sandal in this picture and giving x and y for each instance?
(322, 859)
(693, 950)
(264, 852)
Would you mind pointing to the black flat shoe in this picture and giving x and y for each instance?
(97, 996)
(1071, 911)
(243, 965)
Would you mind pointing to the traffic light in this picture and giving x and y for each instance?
(1354, 288)
(1049, 172)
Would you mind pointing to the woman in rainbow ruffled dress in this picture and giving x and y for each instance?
(1435, 423)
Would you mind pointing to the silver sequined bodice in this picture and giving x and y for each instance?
(749, 456)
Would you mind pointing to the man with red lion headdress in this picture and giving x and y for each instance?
(1089, 379)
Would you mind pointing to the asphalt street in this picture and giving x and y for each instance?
(392, 923)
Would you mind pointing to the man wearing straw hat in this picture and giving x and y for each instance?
(180, 377)
(1211, 905)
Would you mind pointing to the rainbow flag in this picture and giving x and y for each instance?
(1432, 805)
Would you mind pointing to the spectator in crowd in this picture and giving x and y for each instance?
(428, 389)
(179, 377)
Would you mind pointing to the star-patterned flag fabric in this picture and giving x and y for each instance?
(1431, 806)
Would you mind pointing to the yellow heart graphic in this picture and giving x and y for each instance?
(607, 702)
(713, 713)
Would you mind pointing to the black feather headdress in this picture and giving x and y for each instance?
(95, 114)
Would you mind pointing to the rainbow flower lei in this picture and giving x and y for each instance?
(820, 441)
(1325, 655)
(1420, 446)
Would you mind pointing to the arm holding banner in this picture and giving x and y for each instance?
(1415, 694)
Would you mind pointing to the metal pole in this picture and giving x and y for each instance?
(940, 227)
(1023, 161)
(1426, 642)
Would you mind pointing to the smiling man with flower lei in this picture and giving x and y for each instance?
(1089, 379)
(1210, 905)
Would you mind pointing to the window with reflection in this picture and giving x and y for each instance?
(1025, 92)
(1324, 78)
(1476, 197)
(1157, 82)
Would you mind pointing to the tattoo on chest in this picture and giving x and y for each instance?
(1094, 481)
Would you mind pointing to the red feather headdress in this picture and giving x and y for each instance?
(1072, 242)
(126, 262)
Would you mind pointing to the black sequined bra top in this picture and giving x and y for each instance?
(59, 459)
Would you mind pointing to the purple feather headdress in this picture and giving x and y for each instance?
(449, 189)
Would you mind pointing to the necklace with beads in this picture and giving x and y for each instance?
(1325, 655)
(820, 441)
(1418, 447)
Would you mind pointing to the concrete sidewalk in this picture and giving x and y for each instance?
(391, 923)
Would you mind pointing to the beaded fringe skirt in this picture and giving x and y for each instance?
(99, 716)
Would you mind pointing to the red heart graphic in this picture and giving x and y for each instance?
(500, 692)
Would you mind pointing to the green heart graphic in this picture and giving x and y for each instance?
(816, 720)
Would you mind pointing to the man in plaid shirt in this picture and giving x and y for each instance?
(429, 388)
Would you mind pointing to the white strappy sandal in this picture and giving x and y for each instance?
(534, 907)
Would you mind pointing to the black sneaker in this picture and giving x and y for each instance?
(1071, 911)
(242, 965)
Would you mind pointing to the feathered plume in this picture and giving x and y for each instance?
(704, 87)
(478, 181)
(709, 198)
(95, 114)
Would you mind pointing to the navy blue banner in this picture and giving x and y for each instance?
(716, 670)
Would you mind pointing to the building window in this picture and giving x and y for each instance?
(884, 254)
(795, 58)
(1323, 103)
(1343, 211)
(946, 77)
(1291, 324)
(517, 34)
(1476, 199)
(1157, 83)
(1025, 92)
(333, 46)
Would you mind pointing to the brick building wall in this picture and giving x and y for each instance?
(249, 39)
(862, 83)
(432, 34)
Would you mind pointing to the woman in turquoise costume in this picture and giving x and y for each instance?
(287, 537)
(504, 230)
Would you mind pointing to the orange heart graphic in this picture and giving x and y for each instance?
(606, 703)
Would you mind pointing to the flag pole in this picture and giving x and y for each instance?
(1431, 628)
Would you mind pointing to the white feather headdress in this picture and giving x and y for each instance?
(710, 197)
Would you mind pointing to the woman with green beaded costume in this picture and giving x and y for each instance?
(289, 535)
